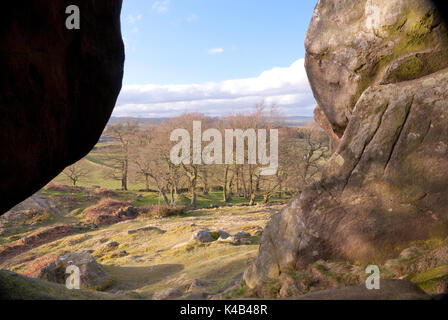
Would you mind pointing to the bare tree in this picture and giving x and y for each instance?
(302, 156)
(124, 135)
(75, 172)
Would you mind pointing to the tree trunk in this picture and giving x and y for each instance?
(172, 195)
(252, 199)
(224, 185)
(124, 175)
(229, 194)
(165, 198)
(266, 198)
(147, 182)
(193, 197)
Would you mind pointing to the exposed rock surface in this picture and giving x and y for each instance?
(203, 236)
(322, 121)
(91, 273)
(390, 289)
(57, 88)
(168, 294)
(378, 71)
(352, 45)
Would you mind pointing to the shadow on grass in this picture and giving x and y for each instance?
(131, 278)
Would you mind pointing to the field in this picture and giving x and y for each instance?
(157, 259)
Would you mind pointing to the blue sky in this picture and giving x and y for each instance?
(214, 56)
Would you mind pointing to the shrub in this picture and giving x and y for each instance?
(105, 211)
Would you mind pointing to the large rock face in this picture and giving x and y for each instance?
(58, 88)
(378, 70)
(352, 45)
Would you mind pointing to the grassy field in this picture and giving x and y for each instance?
(100, 166)
(164, 257)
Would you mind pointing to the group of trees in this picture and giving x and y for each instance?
(141, 153)
(144, 155)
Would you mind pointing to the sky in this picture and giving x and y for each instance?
(214, 56)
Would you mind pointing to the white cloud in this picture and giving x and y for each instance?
(161, 6)
(192, 17)
(215, 50)
(133, 19)
(287, 87)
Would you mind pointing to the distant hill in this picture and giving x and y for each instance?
(298, 121)
(142, 121)
(295, 121)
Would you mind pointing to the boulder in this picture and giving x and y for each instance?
(168, 294)
(386, 184)
(203, 236)
(352, 45)
(223, 235)
(411, 252)
(91, 273)
(53, 82)
(242, 234)
(199, 285)
(111, 244)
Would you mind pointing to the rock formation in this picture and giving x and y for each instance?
(58, 88)
(378, 70)
(391, 289)
(91, 273)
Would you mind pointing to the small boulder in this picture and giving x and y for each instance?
(131, 211)
(223, 234)
(245, 241)
(168, 294)
(258, 232)
(241, 235)
(199, 285)
(24, 240)
(111, 244)
(91, 273)
(228, 240)
(122, 253)
(121, 213)
(411, 252)
(203, 236)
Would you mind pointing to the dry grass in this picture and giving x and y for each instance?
(162, 257)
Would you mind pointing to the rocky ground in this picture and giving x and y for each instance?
(197, 255)
(201, 254)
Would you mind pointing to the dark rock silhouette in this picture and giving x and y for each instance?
(58, 88)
